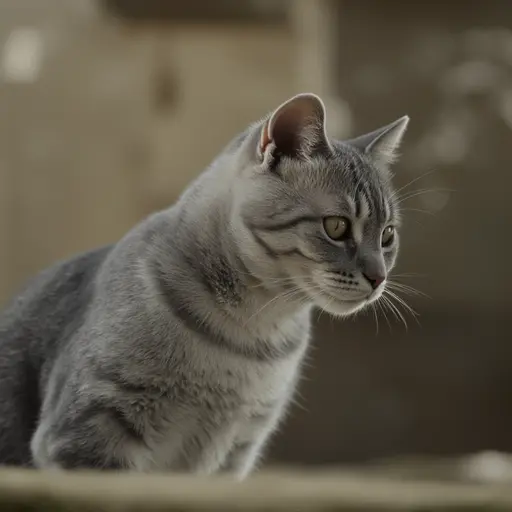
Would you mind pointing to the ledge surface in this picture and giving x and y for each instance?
(269, 491)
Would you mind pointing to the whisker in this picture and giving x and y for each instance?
(286, 294)
(396, 311)
(382, 307)
(277, 280)
(407, 185)
(415, 193)
(404, 288)
(401, 302)
(427, 212)
(374, 309)
(409, 275)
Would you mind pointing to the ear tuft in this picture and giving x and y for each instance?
(382, 144)
(296, 128)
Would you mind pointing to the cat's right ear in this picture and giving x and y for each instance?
(296, 129)
(381, 145)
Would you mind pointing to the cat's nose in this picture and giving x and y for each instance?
(375, 280)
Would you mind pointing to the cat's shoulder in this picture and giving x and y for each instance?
(63, 282)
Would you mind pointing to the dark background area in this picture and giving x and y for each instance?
(444, 386)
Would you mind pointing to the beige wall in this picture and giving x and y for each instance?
(85, 150)
(226, 78)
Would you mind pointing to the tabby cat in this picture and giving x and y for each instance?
(179, 347)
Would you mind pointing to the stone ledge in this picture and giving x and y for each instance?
(26, 490)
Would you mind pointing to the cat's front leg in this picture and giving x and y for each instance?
(74, 450)
(89, 437)
(244, 457)
(250, 443)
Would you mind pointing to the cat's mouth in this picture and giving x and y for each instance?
(337, 305)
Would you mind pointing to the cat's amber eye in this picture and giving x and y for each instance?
(337, 228)
(388, 236)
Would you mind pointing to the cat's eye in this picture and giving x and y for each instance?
(388, 236)
(337, 228)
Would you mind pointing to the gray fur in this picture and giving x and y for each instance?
(179, 348)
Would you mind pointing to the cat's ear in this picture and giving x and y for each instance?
(295, 129)
(381, 145)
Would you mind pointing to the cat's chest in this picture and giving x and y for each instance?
(201, 421)
(236, 391)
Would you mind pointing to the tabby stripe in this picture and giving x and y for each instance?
(274, 254)
(365, 193)
(298, 252)
(268, 250)
(359, 206)
(357, 182)
(288, 224)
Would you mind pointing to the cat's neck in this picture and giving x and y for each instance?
(201, 262)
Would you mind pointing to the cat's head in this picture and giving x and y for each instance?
(319, 218)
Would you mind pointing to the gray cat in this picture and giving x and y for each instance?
(179, 348)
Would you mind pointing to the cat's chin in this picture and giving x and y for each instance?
(340, 307)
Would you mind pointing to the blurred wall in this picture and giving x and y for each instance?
(116, 119)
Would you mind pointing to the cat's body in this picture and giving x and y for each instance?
(217, 400)
(179, 348)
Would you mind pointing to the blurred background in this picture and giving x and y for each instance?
(108, 108)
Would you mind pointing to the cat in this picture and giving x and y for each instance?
(179, 348)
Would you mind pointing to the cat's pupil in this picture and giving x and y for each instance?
(388, 236)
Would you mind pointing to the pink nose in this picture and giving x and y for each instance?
(375, 281)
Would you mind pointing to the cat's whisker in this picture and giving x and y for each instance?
(407, 185)
(404, 288)
(273, 281)
(401, 301)
(420, 210)
(388, 305)
(415, 193)
(408, 275)
(279, 280)
(394, 310)
(286, 294)
(374, 309)
(382, 304)
(313, 287)
(391, 296)
(324, 309)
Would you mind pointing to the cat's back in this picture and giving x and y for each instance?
(43, 315)
(51, 301)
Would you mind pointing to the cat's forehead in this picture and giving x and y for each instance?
(345, 174)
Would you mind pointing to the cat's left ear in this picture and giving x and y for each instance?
(381, 145)
(295, 129)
